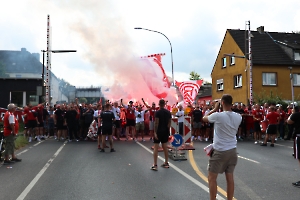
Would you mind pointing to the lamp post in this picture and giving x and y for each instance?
(292, 84)
(43, 70)
(139, 28)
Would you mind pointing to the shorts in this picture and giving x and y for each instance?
(139, 126)
(130, 122)
(297, 148)
(99, 130)
(272, 129)
(197, 125)
(60, 125)
(10, 145)
(222, 161)
(117, 124)
(151, 125)
(41, 124)
(257, 126)
(31, 124)
(107, 130)
(162, 137)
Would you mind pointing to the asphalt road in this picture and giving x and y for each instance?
(77, 170)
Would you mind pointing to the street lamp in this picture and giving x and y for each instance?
(292, 84)
(43, 71)
(139, 28)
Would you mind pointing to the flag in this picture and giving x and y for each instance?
(189, 89)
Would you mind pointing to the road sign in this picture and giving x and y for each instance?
(178, 140)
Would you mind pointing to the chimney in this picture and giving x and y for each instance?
(23, 49)
(261, 29)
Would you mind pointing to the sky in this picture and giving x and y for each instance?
(102, 32)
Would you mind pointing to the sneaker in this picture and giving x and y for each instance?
(112, 150)
(297, 184)
(30, 139)
(69, 140)
(135, 140)
(77, 140)
(16, 160)
(272, 145)
(240, 139)
(114, 138)
(38, 139)
(62, 138)
(7, 162)
(206, 139)
(192, 139)
(150, 138)
(200, 139)
(55, 137)
(154, 167)
(102, 150)
(256, 142)
(165, 165)
(143, 140)
(263, 144)
(126, 139)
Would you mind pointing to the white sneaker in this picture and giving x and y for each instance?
(256, 142)
(143, 140)
(30, 139)
(135, 140)
(192, 139)
(55, 137)
(70, 140)
(200, 139)
(206, 139)
(38, 138)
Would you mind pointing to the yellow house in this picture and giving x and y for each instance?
(274, 57)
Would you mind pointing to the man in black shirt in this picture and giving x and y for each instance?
(241, 111)
(59, 121)
(161, 133)
(295, 119)
(72, 123)
(88, 118)
(196, 121)
(107, 118)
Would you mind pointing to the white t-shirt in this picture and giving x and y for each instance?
(180, 115)
(139, 119)
(97, 113)
(116, 112)
(226, 125)
(11, 118)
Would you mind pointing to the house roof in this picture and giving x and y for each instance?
(204, 91)
(20, 61)
(269, 48)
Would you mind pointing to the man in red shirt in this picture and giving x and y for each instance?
(281, 126)
(273, 118)
(258, 115)
(9, 133)
(152, 111)
(32, 120)
(130, 118)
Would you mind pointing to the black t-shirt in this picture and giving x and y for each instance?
(164, 116)
(59, 115)
(71, 117)
(295, 117)
(45, 114)
(107, 118)
(197, 114)
(88, 116)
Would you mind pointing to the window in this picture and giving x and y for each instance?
(296, 79)
(269, 78)
(297, 54)
(232, 60)
(220, 85)
(224, 62)
(237, 81)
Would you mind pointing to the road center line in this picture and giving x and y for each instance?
(39, 175)
(249, 159)
(205, 188)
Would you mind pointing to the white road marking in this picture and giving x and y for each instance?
(205, 188)
(39, 175)
(249, 159)
(22, 152)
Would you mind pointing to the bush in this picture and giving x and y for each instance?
(272, 98)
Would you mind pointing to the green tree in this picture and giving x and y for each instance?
(82, 100)
(194, 76)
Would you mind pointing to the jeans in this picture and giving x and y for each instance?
(180, 124)
(281, 129)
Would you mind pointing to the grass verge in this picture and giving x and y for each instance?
(21, 141)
